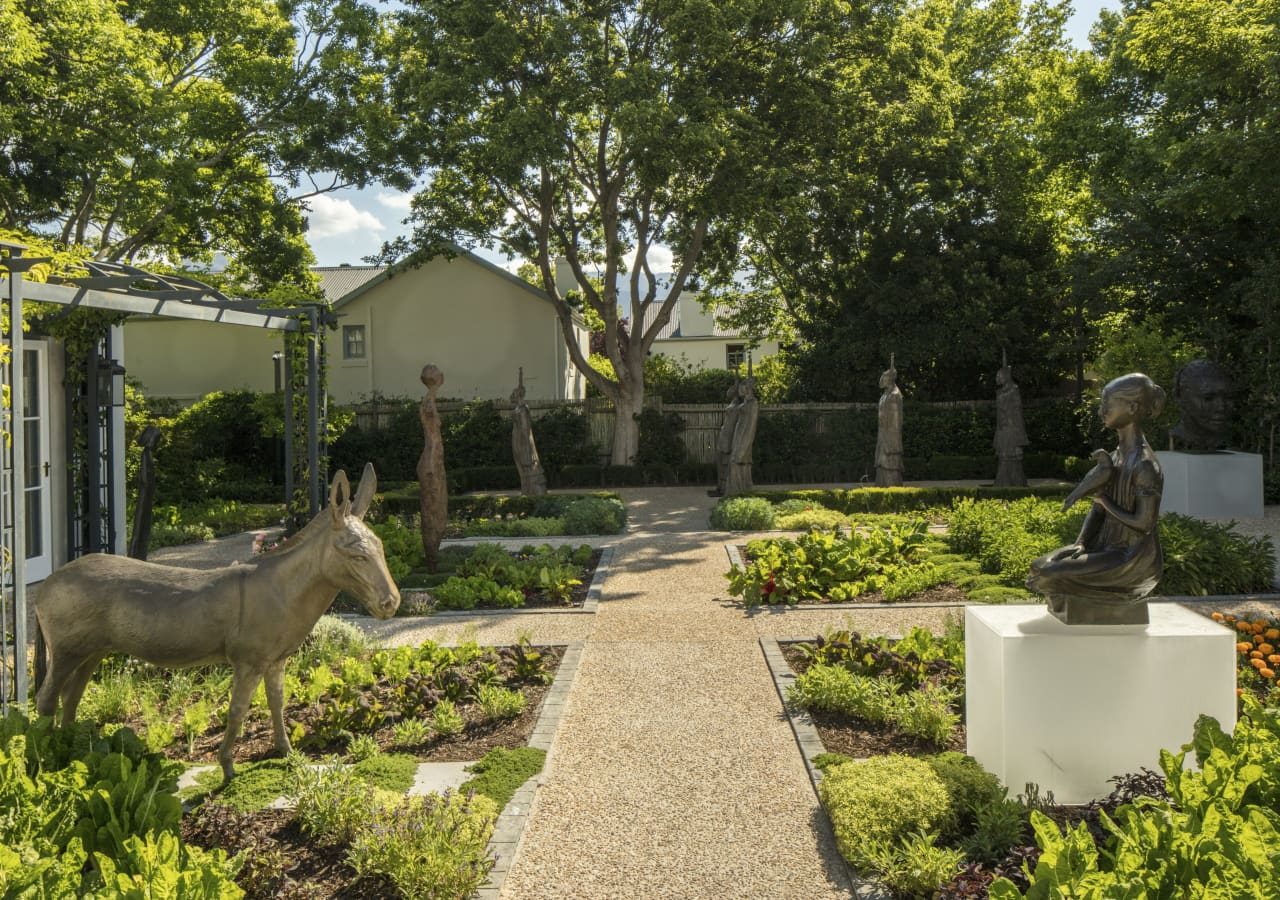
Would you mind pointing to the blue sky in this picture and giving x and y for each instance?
(347, 226)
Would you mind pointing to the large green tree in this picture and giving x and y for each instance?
(145, 129)
(594, 130)
(1179, 120)
(930, 219)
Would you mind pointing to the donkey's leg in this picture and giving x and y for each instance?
(275, 699)
(61, 667)
(243, 683)
(75, 684)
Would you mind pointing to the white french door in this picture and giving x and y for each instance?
(36, 502)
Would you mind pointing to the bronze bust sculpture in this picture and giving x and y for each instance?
(1202, 390)
(889, 432)
(1105, 577)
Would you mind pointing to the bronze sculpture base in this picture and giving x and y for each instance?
(1084, 611)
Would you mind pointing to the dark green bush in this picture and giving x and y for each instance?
(1209, 558)
(904, 499)
(594, 515)
(742, 514)
(970, 788)
(661, 441)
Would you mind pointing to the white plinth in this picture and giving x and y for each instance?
(1068, 707)
(1222, 485)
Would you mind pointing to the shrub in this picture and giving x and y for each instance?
(331, 640)
(332, 800)
(446, 721)
(879, 801)
(997, 828)
(809, 519)
(969, 787)
(914, 866)
(743, 514)
(476, 590)
(499, 703)
(836, 689)
(661, 439)
(432, 846)
(925, 713)
(411, 732)
(595, 515)
(362, 747)
(1210, 558)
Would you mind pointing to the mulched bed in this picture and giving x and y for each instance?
(477, 739)
(281, 861)
(856, 737)
(939, 593)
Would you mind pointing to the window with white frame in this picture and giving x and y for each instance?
(734, 356)
(353, 342)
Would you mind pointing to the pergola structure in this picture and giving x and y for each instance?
(131, 290)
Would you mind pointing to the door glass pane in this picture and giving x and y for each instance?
(35, 526)
(31, 445)
(30, 383)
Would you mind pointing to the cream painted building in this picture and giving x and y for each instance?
(694, 338)
(473, 319)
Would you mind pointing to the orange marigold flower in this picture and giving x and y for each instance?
(1239, 692)
(1243, 626)
(1257, 663)
(1266, 648)
(1217, 617)
(1267, 673)
(1244, 646)
(1273, 634)
(1256, 654)
(1274, 659)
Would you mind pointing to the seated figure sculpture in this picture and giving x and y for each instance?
(1105, 577)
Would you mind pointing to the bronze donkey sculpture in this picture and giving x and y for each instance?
(253, 615)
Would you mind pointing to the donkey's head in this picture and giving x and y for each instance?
(355, 562)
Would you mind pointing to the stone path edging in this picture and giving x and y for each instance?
(811, 746)
(505, 841)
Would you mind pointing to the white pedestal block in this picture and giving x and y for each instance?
(1069, 706)
(1223, 485)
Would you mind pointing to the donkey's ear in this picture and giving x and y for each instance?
(340, 499)
(364, 492)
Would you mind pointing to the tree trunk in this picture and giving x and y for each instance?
(626, 430)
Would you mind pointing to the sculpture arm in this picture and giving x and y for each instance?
(1090, 527)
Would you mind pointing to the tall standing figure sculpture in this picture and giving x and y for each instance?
(1105, 577)
(889, 431)
(744, 434)
(533, 481)
(724, 440)
(1011, 432)
(433, 489)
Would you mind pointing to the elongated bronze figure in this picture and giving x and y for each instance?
(889, 432)
(533, 481)
(1011, 433)
(1105, 577)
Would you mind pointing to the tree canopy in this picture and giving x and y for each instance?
(593, 130)
(150, 129)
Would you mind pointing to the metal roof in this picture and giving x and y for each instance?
(338, 281)
(672, 329)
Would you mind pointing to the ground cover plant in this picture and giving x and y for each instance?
(485, 576)
(340, 697)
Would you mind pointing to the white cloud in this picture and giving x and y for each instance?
(396, 200)
(660, 259)
(331, 216)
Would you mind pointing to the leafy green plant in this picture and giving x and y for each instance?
(1213, 558)
(913, 866)
(158, 864)
(196, 719)
(497, 703)
(432, 846)
(743, 514)
(926, 713)
(969, 787)
(476, 590)
(820, 519)
(331, 640)
(362, 747)
(411, 732)
(446, 721)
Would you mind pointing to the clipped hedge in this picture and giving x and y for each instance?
(403, 501)
(905, 499)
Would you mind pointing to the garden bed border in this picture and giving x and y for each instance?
(588, 608)
(509, 829)
(811, 746)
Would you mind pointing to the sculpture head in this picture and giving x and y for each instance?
(1202, 390)
(888, 378)
(746, 387)
(432, 377)
(354, 560)
(1130, 399)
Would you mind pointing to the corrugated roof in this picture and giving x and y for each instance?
(338, 281)
(673, 330)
